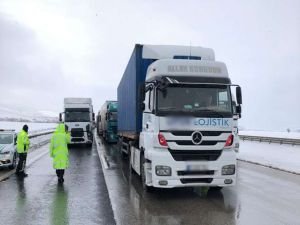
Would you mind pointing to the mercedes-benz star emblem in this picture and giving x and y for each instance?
(197, 138)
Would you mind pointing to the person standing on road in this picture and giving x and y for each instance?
(22, 149)
(59, 151)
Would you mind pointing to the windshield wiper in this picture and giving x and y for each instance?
(167, 108)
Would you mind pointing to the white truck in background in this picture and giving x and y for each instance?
(79, 118)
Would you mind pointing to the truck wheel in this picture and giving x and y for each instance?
(124, 154)
(14, 162)
(143, 175)
(215, 188)
(89, 145)
(131, 170)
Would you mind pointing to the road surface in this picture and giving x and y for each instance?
(38, 199)
(92, 195)
(262, 196)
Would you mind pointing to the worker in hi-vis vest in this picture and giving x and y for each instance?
(59, 150)
(22, 149)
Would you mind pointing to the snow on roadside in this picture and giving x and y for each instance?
(284, 157)
(276, 134)
(33, 127)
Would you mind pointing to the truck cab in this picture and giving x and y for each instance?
(8, 153)
(78, 117)
(108, 121)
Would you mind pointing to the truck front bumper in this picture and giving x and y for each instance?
(191, 173)
(81, 140)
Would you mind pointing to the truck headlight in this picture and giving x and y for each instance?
(163, 171)
(228, 170)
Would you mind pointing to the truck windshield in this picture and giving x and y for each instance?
(6, 138)
(77, 115)
(204, 100)
(113, 116)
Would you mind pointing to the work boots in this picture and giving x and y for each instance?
(21, 174)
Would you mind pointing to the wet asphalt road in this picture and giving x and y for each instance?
(261, 196)
(83, 199)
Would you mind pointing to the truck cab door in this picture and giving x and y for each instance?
(147, 121)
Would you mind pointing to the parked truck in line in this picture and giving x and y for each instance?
(79, 117)
(107, 121)
(177, 117)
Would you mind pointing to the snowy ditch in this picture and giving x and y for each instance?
(285, 157)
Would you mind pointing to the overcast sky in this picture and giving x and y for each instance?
(55, 49)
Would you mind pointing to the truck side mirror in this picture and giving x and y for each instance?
(239, 95)
(106, 116)
(93, 116)
(60, 117)
(239, 110)
(143, 106)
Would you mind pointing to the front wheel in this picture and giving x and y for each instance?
(216, 188)
(143, 175)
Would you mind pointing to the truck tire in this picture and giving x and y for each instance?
(215, 188)
(131, 170)
(125, 155)
(143, 175)
(89, 145)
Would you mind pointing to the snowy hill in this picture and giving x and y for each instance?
(8, 114)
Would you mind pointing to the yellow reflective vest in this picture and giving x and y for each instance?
(23, 142)
(59, 147)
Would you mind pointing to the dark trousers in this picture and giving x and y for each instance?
(22, 163)
(60, 173)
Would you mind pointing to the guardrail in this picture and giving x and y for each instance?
(40, 134)
(291, 141)
(34, 146)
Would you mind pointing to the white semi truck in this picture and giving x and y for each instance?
(177, 117)
(79, 118)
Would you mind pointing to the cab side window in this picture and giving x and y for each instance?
(147, 103)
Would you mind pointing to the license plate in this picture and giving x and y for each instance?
(196, 167)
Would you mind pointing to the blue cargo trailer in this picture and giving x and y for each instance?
(129, 98)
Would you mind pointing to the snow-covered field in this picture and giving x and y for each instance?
(33, 127)
(284, 157)
(275, 134)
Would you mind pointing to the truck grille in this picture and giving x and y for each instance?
(184, 142)
(77, 132)
(196, 180)
(195, 155)
(77, 140)
(199, 172)
(204, 133)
